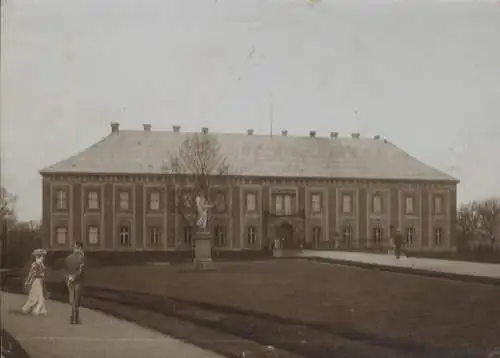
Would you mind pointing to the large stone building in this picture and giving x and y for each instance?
(317, 191)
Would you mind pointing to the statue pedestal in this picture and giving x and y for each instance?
(203, 252)
(277, 252)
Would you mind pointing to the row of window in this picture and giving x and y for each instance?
(283, 203)
(378, 235)
(154, 235)
(124, 235)
(124, 201)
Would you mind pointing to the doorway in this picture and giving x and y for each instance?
(285, 231)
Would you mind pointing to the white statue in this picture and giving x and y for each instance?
(203, 206)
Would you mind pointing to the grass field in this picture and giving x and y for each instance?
(423, 311)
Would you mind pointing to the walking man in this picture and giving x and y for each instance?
(398, 242)
(75, 263)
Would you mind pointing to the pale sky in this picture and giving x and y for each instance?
(423, 74)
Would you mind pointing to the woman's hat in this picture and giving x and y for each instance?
(39, 252)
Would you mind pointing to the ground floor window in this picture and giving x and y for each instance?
(251, 235)
(347, 234)
(154, 236)
(93, 235)
(438, 236)
(188, 235)
(220, 236)
(316, 236)
(378, 234)
(61, 235)
(410, 236)
(124, 235)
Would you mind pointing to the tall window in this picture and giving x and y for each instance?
(154, 200)
(378, 234)
(410, 233)
(347, 235)
(316, 235)
(409, 205)
(93, 235)
(61, 200)
(93, 200)
(377, 204)
(347, 204)
(124, 200)
(188, 235)
(316, 203)
(124, 235)
(61, 235)
(154, 236)
(220, 236)
(251, 202)
(251, 235)
(288, 204)
(279, 203)
(438, 236)
(438, 205)
(220, 202)
(284, 204)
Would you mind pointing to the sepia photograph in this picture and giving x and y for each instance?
(250, 179)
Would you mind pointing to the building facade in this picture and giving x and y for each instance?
(136, 211)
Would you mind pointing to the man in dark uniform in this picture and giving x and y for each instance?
(75, 263)
(398, 242)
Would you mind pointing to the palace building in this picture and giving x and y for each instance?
(316, 191)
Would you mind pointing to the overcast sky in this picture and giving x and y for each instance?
(424, 74)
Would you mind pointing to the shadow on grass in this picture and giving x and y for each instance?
(261, 327)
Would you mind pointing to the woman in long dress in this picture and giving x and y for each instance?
(34, 282)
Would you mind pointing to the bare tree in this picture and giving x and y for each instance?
(489, 218)
(198, 161)
(468, 222)
(7, 203)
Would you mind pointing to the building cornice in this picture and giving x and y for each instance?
(164, 179)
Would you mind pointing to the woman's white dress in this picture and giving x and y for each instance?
(36, 300)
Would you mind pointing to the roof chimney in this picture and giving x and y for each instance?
(250, 131)
(377, 137)
(284, 133)
(204, 130)
(312, 134)
(176, 129)
(115, 127)
(355, 135)
(334, 135)
(147, 127)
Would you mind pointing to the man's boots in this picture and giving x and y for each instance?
(77, 316)
(73, 316)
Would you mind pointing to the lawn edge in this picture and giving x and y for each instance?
(18, 350)
(405, 270)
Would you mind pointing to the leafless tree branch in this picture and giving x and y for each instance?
(197, 159)
(7, 202)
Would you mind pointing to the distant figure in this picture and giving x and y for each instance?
(75, 264)
(34, 283)
(398, 242)
(202, 206)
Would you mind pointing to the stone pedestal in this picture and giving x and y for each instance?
(278, 252)
(203, 252)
